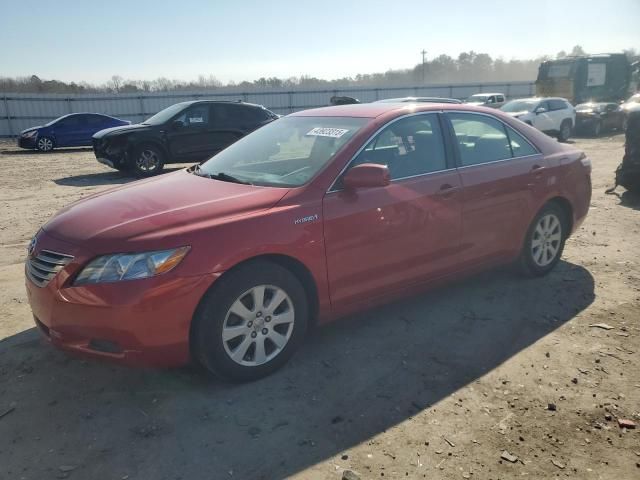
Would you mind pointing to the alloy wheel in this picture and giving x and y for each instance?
(45, 144)
(148, 161)
(546, 240)
(258, 325)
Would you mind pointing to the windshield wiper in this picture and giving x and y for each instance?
(224, 177)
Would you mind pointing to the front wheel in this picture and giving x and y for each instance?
(565, 131)
(544, 242)
(250, 324)
(44, 144)
(147, 160)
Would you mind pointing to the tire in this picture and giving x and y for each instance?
(597, 129)
(45, 144)
(147, 160)
(536, 261)
(565, 130)
(236, 355)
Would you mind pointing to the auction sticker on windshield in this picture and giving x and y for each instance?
(327, 132)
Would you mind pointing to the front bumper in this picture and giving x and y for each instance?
(140, 322)
(27, 142)
(114, 158)
(586, 122)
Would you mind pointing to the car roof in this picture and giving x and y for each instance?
(486, 94)
(235, 102)
(373, 110)
(418, 100)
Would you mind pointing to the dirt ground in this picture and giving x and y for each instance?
(435, 386)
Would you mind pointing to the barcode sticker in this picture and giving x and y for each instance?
(327, 132)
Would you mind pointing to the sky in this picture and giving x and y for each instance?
(91, 40)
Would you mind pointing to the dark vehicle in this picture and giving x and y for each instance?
(595, 118)
(419, 100)
(335, 100)
(73, 130)
(592, 78)
(184, 132)
(628, 172)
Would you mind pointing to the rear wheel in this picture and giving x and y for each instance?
(147, 160)
(44, 144)
(250, 324)
(544, 242)
(565, 130)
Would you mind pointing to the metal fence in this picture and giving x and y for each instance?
(20, 111)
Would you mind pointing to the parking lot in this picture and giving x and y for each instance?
(434, 386)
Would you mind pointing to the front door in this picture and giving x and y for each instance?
(501, 174)
(189, 134)
(69, 131)
(379, 240)
(543, 121)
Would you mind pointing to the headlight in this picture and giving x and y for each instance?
(30, 134)
(130, 266)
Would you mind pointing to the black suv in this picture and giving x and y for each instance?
(184, 132)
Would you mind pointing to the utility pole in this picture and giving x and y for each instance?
(424, 53)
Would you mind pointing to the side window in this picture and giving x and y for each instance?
(408, 147)
(95, 120)
(480, 138)
(491, 99)
(519, 146)
(557, 105)
(70, 122)
(500, 98)
(194, 116)
(232, 116)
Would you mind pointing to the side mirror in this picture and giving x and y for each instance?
(177, 125)
(367, 175)
(540, 110)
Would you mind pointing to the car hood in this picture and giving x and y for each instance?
(122, 129)
(149, 213)
(30, 129)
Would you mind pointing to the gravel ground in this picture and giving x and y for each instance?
(434, 386)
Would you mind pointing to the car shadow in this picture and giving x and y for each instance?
(57, 151)
(103, 178)
(630, 199)
(351, 381)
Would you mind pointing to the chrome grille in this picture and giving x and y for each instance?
(46, 265)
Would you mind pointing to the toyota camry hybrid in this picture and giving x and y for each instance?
(313, 216)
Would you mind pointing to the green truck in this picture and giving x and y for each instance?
(590, 78)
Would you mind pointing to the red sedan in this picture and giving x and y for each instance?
(316, 215)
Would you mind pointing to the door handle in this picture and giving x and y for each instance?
(537, 168)
(447, 190)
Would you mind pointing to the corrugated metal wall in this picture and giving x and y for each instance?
(20, 111)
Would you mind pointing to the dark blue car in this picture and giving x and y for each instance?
(73, 130)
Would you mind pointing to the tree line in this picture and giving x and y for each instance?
(467, 67)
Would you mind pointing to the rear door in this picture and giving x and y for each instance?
(379, 240)
(232, 121)
(501, 174)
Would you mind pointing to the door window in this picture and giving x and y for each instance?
(519, 145)
(70, 122)
(480, 138)
(95, 120)
(408, 147)
(234, 116)
(194, 116)
(500, 98)
(556, 105)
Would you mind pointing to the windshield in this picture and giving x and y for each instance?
(589, 107)
(163, 115)
(519, 106)
(477, 98)
(285, 153)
